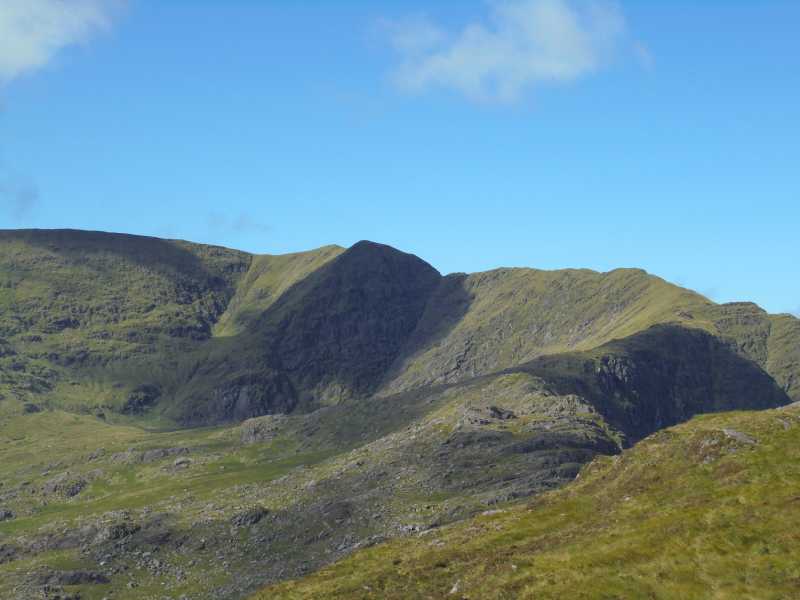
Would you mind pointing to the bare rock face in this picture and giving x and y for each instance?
(72, 578)
(141, 399)
(156, 454)
(253, 395)
(249, 517)
(661, 377)
(261, 429)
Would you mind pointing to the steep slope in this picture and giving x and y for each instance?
(704, 510)
(485, 322)
(113, 287)
(660, 377)
(771, 341)
(378, 399)
(783, 353)
(329, 337)
(74, 302)
(117, 323)
(267, 279)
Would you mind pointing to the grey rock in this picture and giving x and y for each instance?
(249, 517)
(141, 399)
(65, 484)
(739, 436)
(149, 456)
(72, 578)
(500, 413)
(261, 429)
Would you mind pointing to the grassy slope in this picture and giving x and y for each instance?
(86, 317)
(510, 316)
(691, 512)
(333, 480)
(175, 508)
(484, 322)
(268, 278)
(73, 303)
(376, 466)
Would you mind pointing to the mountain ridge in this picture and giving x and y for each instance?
(469, 324)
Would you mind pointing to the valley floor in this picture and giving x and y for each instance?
(89, 510)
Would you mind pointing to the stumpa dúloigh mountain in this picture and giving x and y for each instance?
(355, 395)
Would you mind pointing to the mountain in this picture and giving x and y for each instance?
(187, 419)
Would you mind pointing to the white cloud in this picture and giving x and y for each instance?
(527, 43)
(32, 32)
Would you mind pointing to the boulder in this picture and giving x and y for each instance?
(66, 484)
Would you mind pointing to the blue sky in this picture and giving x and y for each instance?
(544, 133)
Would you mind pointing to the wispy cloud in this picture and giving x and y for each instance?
(243, 223)
(523, 44)
(644, 56)
(32, 32)
(18, 196)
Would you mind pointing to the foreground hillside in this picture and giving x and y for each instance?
(708, 509)
(99, 508)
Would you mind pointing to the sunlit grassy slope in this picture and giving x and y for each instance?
(268, 278)
(707, 509)
(483, 322)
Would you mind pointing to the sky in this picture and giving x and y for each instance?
(663, 134)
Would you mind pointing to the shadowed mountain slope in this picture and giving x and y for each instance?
(329, 337)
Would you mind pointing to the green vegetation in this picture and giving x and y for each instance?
(703, 510)
(343, 398)
(268, 278)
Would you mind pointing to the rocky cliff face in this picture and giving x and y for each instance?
(337, 332)
(328, 338)
(661, 377)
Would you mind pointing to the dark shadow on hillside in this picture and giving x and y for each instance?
(446, 308)
(660, 377)
(329, 338)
